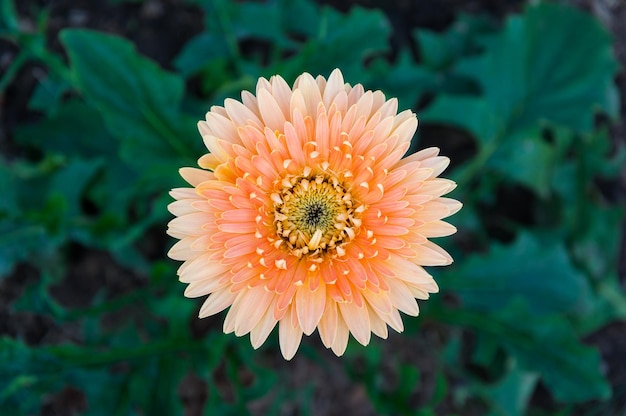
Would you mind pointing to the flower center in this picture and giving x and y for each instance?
(315, 215)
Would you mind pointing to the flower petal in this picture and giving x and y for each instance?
(328, 323)
(357, 319)
(217, 302)
(290, 336)
(310, 306)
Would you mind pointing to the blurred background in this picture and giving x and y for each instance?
(98, 108)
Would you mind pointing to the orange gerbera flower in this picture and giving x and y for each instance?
(307, 215)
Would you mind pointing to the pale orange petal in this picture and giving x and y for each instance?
(263, 328)
(328, 323)
(290, 336)
(217, 302)
(401, 297)
(341, 338)
(252, 308)
(310, 306)
(270, 111)
(357, 320)
(378, 325)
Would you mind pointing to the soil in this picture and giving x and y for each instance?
(160, 28)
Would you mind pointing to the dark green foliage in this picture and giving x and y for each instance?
(530, 281)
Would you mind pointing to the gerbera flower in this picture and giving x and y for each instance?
(306, 215)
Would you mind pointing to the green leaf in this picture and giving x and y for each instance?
(36, 299)
(526, 158)
(74, 130)
(78, 131)
(20, 240)
(546, 345)
(9, 190)
(42, 202)
(15, 382)
(343, 41)
(9, 24)
(70, 182)
(598, 245)
(55, 199)
(439, 51)
(308, 16)
(261, 21)
(510, 396)
(531, 73)
(48, 94)
(201, 52)
(138, 100)
(154, 367)
(404, 80)
(473, 114)
(532, 268)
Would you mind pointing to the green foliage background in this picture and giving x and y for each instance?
(525, 291)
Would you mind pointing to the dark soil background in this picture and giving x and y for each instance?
(160, 28)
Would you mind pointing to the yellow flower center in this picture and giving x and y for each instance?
(315, 215)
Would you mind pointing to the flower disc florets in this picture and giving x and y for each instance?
(315, 216)
(305, 214)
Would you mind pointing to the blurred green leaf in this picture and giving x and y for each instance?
(403, 79)
(546, 345)
(18, 388)
(19, 242)
(307, 13)
(549, 346)
(48, 94)
(8, 18)
(9, 190)
(74, 130)
(137, 99)
(32, 48)
(530, 72)
(510, 396)
(473, 114)
(586, 157)
(155, 368)
(342, 41)
(439, 51)
(161, 398)
(261, 22)
(527, 159)
(598, 247)
(36, 299)
(78, 131)
(526, 80)
(533, 268)
(71, 181)
(201, 52)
